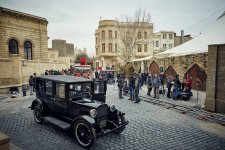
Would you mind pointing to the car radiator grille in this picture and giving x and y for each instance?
(102, 113)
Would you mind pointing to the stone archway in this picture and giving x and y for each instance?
(154, 68)
(198, 76)
(170, 72)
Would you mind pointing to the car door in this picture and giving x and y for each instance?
(99, 92)
(44, 92)
(60, 102)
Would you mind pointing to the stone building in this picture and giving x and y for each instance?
(108, 42)
(65, 50)
(181, 39)
(162, 41)
(23, 48)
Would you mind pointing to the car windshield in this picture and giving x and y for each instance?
(80, 90)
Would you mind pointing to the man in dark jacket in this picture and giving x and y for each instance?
(131, 87)
(177, 86)
(169, 86)
(149, 84)
(120, 85)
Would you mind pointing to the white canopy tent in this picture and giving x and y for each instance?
(215, 35)
(141, 59)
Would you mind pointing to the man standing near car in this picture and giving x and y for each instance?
(120, 85)
(137, 87)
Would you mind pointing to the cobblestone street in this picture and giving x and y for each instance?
(150, 127)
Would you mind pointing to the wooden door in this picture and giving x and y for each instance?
(154, 68)
(170, 72)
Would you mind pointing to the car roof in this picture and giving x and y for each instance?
(64, 78)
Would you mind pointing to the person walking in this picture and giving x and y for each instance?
(149, 84)
(34, 80)
(31, 84)
(156, 84)
(120, 85)
(169, 86)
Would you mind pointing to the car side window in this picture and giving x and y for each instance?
(60, 90)
(41, 85)
(49, 87)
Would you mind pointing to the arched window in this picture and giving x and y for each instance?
(13, 46)
(27, 50)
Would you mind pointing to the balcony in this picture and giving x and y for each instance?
(107, 54)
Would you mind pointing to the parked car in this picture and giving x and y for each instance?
(77, 104)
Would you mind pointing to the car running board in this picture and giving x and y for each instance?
(58, 122)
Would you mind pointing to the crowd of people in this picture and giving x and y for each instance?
(156, 84)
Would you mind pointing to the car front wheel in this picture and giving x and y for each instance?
(84, 133)
(38, 114)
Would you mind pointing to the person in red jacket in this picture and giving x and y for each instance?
(188, 84)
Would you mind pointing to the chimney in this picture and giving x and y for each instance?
(182, 37)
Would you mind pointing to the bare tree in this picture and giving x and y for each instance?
(130, 32)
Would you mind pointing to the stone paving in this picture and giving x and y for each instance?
(150, 127)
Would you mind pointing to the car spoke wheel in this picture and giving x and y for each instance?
(84, 133)
(38, 113)
(120, 120)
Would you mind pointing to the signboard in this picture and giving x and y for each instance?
(161, 69)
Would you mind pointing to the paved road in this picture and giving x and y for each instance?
(151, 127)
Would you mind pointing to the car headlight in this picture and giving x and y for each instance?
(93, 113)
(112, 108)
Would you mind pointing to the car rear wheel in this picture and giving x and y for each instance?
(84, 133)
(38, 113)
(120, 119)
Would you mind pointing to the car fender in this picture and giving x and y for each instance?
(86, 118)
(35, 102)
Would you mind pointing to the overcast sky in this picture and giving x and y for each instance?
(76, 20)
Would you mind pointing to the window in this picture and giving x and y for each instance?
(170, 36)
(60, 90)
(156, 43)
(110, 47)
(164, 46)
(164, 36)
(13, 47)
(49, 87)
(115, 34)
(139, 35)
(115, 47)
(145, 35)
(145, 48)
(27, 50)
(103, 48)
(170, 46)
(153, 43)
(103, 34)
(139, 47)
(110, 34)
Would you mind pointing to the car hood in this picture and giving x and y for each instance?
(89, 103)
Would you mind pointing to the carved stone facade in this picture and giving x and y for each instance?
(195, 65)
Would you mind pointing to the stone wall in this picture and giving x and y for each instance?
(183, 65)
(215, 92)
(21, 28)
(16, 71)
(60, 45)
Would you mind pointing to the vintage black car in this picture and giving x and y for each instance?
(76, 104)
